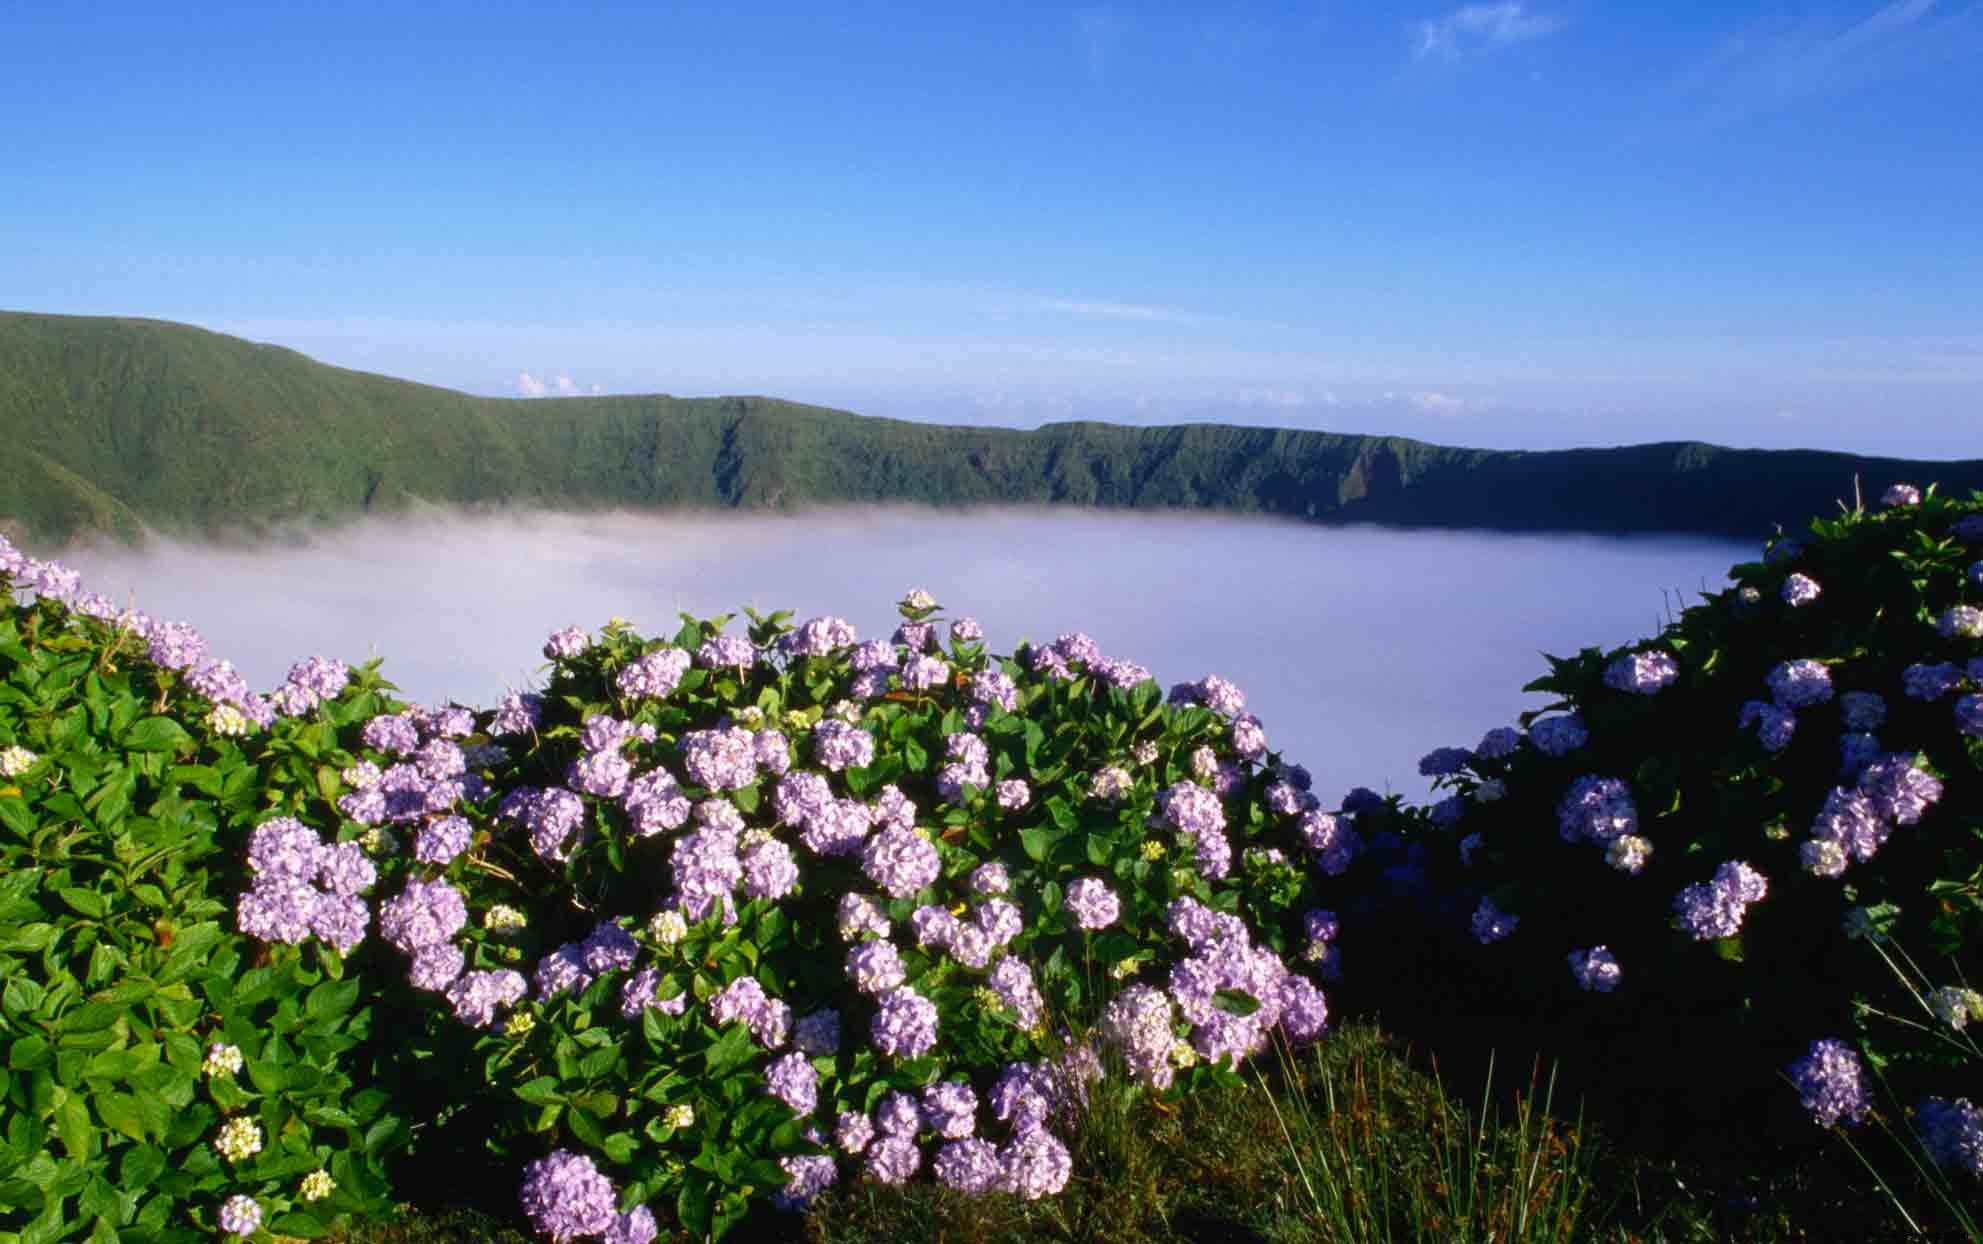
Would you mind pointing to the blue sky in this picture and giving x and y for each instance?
(1514, 224)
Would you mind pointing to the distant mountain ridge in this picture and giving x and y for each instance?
(112, 426)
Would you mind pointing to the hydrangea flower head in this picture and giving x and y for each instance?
(1642, 673)
(1831, 1084)
(566, 1197)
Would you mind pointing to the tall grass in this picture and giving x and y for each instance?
(1352, 1141)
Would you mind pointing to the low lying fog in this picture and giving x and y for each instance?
(1359, 648)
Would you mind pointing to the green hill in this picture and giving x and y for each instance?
(113, 425)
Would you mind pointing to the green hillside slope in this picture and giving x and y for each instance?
(110, 425)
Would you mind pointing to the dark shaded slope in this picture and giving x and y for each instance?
(107, 425)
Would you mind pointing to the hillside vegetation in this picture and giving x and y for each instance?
(113, 425)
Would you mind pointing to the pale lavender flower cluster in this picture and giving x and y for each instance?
(791, 1079)
(555, 819)
(721, 759)
(239, 1215)
(654, 802)
(1212, 692)
(1092, 904)
(1224, 958)
(565, 1197)
(425, 913)
(309, 684)
(875, 966)
(901, 861)
(966, 630)
(517, 713)
(837, 746)
(1642, 673)
(769, 1019)
(904, 1024)
(1714, 909)
(1596, 970)
(706, 869)
(1899, 789)
(1898, 495)
(1138, 1023)
(566, 644)
(727, 652)
(1831, 1084)
(654, 676)
(995, 687)
(968, 764)
(923, 672)
(304, 888)
(1014, 794)
(477, 996)
(819, 637)
(1196, 812)
(1558, 736)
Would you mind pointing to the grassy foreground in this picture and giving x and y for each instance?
(1356, 1139)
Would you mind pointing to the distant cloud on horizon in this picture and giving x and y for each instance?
(1477, 28)
(559, 386)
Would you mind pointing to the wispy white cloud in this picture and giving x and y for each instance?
(1775, 63)
(1477, 28)
(1116, 310)
(529, 385)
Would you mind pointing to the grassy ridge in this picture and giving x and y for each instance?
(115, 424)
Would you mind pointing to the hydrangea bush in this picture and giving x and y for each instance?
(710, 919)
(744, 915)
(1684, 866)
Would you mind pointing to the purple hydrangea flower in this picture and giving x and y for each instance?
(636, 1226)
(654, 803)
(517, 713)
(424, 913)
(176, 646)
(1831, 1084)
(1862, 710)
(966, 630)
(950, 1109)
(1951, 1131)
(806, 1176)
(899, 1115)
(970, 1166)
(1800, 684)
(1774, 726)
(1898, 789)
(1596, 970)
(792, 1080)
(1900, 495)
(721, 759)
(393, 733)
(1554, 736)
(904, 1024)
(277, 909)
(1498, 742)
(901, 862)
(727, 652)
(566, 1197)
(1714, 909)
(818, 637)
(285, 847)
(1034, 1164)
(240, 1215)
(477, 995)
(875, 966)
(1969, 715)
(1092, 904)
(1596, 809)
(1799, 590)
(894, 1159)
(1923, 681)
(439, 842)
(1960, 622)
(1642, 673)
(769, 869)
(837, 745)
(773, 752)
(343, 869)
(437, 966)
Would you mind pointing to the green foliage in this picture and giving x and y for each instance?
(119, 861)
(113, 425)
